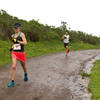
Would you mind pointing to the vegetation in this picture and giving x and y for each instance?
(83, 74)
(35, 31)
(34, 49)
(94, 85)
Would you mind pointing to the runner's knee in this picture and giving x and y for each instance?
(13, 67)
(66, 47)
(23, 64)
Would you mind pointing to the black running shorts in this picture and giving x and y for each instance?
(66, 44)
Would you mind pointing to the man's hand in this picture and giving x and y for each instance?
(62, 37)
(20, 42)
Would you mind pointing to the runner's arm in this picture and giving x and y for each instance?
(62, 37)
(24, 42)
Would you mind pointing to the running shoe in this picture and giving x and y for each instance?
(11, 84)
(26, 78)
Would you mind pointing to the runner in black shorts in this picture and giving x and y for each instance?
(66, 45)
(66, 38)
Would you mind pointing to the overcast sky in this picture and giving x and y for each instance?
(83, 15)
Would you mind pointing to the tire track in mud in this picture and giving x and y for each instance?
(51, 77)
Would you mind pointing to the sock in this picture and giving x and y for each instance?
(25, 74)
(12, 80)
(66, 51)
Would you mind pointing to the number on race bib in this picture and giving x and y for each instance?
(17, 47)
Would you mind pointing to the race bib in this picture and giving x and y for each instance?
(17, 47)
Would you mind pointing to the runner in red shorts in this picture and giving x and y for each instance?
(17, 51)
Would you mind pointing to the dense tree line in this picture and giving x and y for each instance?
(35, 31)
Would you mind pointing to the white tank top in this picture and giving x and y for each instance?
(66, 38)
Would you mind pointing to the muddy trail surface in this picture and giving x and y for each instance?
(51, 77)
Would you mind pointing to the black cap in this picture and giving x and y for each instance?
(17, 25)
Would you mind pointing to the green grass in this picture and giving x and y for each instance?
(34, 49)
(94, 85)
(83, 46)
(83, 74)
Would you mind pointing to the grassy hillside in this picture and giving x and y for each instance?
(34, 49)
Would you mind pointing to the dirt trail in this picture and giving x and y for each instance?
(49, 77)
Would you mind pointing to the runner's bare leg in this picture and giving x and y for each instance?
(13, 68)
(24, 67)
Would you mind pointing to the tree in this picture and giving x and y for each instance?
(63, 26)
(2, 12)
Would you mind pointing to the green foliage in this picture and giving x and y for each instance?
(83, 46)
(94, 85)
(35, 31)
(4, 52)
(63, 26)
(83, 74)
(81, 36)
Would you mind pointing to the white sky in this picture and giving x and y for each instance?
(83, 15)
